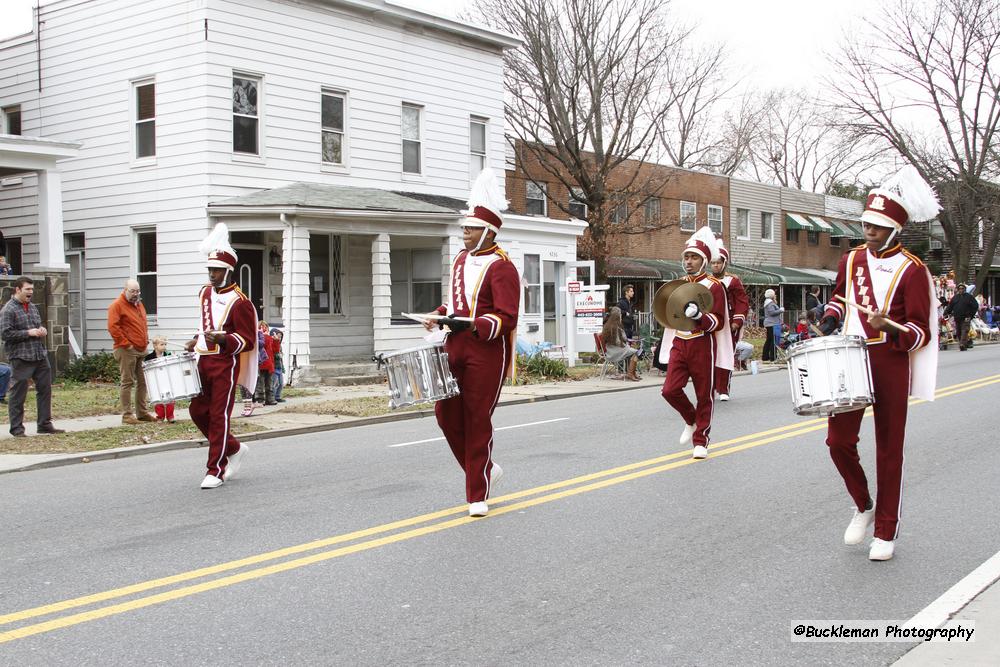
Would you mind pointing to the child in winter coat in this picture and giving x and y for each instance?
(279, 365)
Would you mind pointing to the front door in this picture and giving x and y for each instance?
(250, 277)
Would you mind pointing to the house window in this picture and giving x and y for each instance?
(325, 270)
(332, 120)
(689, 214)
(532, 285)
(577, 204)
(715, 219)
(477, 147)
(411, 139)
(11, 247)
(812, 238)
(416, 281)
(246, 115)
(619, 211)
(534, 194)
(145, 264)
(651, 210)
(792, 235)
(12, 120)
(767, 227)
(834, 241)
(742, 223)
(145, 119)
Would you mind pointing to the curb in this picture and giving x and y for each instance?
(174, 445)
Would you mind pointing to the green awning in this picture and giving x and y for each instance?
(640, 267)
(839, 232)
(751, 275)
(796, 221)
(787, 276)
(822, 224)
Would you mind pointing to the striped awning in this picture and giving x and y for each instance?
(796, 221)
(824, 226)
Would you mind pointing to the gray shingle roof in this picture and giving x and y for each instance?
(315, 195)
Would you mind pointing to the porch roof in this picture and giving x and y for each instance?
(344, 198)
(640, 267)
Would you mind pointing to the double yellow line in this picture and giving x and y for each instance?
(365, 540)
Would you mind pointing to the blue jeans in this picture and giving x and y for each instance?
(279, 382)
(777, 335)
(4, 381)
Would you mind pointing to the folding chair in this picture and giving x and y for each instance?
(602, 354)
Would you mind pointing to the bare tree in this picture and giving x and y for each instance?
(584, 100)
(800, 144)
(925, 82)
(706, 126)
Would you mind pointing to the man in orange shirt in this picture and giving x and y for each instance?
(128, 328)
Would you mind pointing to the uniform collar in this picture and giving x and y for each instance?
(485, 251)
(694, 279)
(894, 250)
(228, 288)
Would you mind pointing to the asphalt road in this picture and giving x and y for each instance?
(606, 545)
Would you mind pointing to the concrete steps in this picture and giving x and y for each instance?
(348, 372)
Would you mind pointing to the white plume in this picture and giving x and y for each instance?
(486, 192)
(912, 192)
(707, 236)
(217, 239)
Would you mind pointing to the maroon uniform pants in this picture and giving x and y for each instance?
(694, 358)
(467, 419)
(890, 378)
(211, 409)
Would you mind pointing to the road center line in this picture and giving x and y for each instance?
(502, 428)
(612, 477)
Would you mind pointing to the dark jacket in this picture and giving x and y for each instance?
(15, 322)
(962, 305)
(628, 316)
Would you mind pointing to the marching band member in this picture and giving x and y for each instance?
(739, 306)
(697, 353)
(884, 277)
(484, 286)
(227, 356)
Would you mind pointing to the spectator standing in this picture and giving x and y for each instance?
(24, 340)
(4, 382)
(5, 268)
(772, 326)
(962, 307)
(264, 392)
(627, 306)
(279, 365)
(128, 328)
(813, 302)
(164, 411)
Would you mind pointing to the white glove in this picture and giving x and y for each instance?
(692, 310)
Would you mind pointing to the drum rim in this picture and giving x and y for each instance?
(843, 340)
(417, 348)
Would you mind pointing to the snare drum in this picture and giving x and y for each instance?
(418, 375)
(829, 374)
(172, 378)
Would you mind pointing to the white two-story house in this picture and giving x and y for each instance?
(336, 138)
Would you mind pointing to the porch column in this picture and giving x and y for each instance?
(50, 221)
(381, 293)
(295, 300)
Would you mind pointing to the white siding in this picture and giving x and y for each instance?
(800, 201)
(842, 208)
(757, 198)
(19, 216)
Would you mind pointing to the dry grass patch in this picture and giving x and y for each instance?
(363, 406)
(109, 438)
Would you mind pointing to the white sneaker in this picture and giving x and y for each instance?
(495, 475)
(858, 527)
(478, 509)
(687, 436)
(723, 397)
(881, 549)
(235, 461)
(699, 452)
(211, 482)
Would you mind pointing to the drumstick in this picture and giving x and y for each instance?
(870, 312)
(435, 317)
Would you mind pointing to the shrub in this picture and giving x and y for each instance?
(100, 367)
(540, 367)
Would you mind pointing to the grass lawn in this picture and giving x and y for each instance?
(109, 438)
(363, 406)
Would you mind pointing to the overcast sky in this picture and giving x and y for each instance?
(779, 42)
